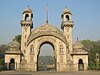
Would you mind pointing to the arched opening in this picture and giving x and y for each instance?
(32, 49)
(46, 57)
(12, 64)
(67, 18)
(80, 65)
(27, 17)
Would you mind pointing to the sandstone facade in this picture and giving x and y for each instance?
(68, 56)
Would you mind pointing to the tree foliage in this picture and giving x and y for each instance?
(3, 48)
(18, 38)
(92, 47)
(47, 60)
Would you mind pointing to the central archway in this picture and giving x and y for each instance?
(46, 61)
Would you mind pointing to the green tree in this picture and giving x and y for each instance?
(18, 38)
(3, 48)
(92, 47)
(2, 64)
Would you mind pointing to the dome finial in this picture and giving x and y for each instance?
(77, 39)
(66, 6)
(28, 6)
(47, 13)
(27, 9)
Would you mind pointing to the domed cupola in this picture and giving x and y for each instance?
(27, 14)
(66, 10)
(79, 47)
(27, 9)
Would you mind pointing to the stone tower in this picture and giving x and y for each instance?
(67, 26)
(27, 25)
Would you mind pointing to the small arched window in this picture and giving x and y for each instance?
(67, 18)
(61, 49)
(27, 17)
(31, 49)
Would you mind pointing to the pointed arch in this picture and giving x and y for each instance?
(67, 18)
(80, 65)
(12, 64)
(12, 60)
(80, 61)
(26, 16)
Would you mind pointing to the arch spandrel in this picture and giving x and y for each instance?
(46, 30)
(47, 39)
(52, 34)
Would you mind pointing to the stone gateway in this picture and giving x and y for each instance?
(68, 56)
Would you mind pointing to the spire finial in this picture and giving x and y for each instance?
(77, 39)
(66, 6)
(28, 6)
(47, 13)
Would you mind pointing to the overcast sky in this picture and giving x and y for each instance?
(86, 16)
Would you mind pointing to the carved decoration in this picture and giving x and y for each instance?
(47, 30)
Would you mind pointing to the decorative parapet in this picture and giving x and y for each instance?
(80, 53)
(13, 52)
(67, 24)
(26, 23)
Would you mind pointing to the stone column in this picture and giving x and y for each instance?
(7, 65)
(15, 65)
(35, 65)
(76, 66)
(85, 66)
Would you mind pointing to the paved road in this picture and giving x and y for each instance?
(49, 73)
